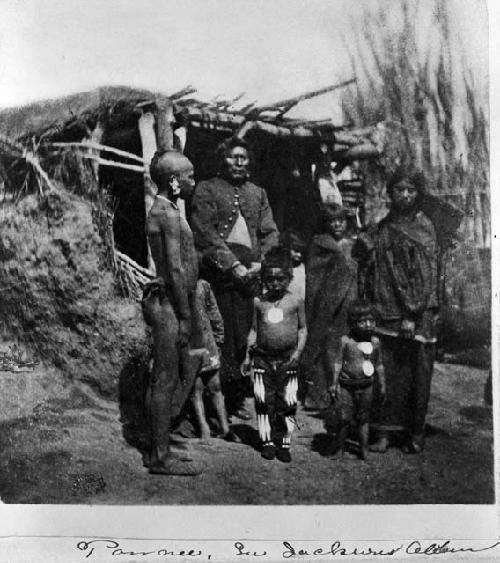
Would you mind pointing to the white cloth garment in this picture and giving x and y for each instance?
(239, 233)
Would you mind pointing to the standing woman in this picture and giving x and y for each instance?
(400, 274)
(234, 228)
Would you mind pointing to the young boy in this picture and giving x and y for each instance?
(212, 327)
(358, 368)
(275, 343)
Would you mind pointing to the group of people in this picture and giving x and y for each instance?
(339, 323)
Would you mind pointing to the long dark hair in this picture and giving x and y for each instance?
(414, 176)
(228, 145)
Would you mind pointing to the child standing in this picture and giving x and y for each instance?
(331, 286)
(358, 369)
(208, 377)
(275, 343)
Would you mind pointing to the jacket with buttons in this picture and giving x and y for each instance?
(214, 212)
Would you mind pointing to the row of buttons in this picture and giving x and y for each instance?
(236, 204)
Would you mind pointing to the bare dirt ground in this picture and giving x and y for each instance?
(60, 443)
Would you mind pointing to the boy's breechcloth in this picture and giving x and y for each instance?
(275, 386)
(354, 400)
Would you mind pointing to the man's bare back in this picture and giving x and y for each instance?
(165, 220)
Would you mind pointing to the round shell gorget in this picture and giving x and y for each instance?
(274, 315)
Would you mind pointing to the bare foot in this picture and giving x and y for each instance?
(206, 441)
(178, 439)
(415, 445)
(175, 467)
(380, 446)
(337, 453)
(146, 458)
(180, 456)
(232, 437)
(205, 434)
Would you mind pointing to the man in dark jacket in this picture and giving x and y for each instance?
(234, 228)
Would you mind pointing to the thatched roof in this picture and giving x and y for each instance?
(112, 106)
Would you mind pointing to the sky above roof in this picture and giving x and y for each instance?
(269, 49)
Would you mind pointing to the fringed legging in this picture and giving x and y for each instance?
(275, 391)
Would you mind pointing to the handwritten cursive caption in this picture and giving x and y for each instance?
(272, 551)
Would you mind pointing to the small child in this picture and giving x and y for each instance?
(358, 368)
(297, 251)
(275, 343)
(208, 377)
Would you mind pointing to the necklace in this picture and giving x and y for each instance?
(168, 200)
(275, 314)
(366, 348)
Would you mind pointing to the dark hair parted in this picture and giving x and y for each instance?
(412, 175)
(224, 148)
(278, 257)
(359, 309)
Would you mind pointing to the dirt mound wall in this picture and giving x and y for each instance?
(56, 295)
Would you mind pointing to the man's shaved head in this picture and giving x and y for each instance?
(168, 163)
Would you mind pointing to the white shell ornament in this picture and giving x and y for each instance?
(368, 368)
(274, 315)
(365, 347)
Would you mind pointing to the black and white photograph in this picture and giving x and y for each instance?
(245, 253)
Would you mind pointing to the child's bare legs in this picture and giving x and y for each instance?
(363, 432)
(344, 405)
(363, 402)
(199, 408)
(219, 405)
(340, 439)
(217, 399)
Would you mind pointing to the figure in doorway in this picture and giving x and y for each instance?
(331, 286)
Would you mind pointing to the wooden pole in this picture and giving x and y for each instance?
(96, 137)
(91, 144)
(148, 140)
(165, 119)
(106, 162)
(290, 102)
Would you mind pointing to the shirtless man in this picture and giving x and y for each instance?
(169, 306)
(276, 341)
